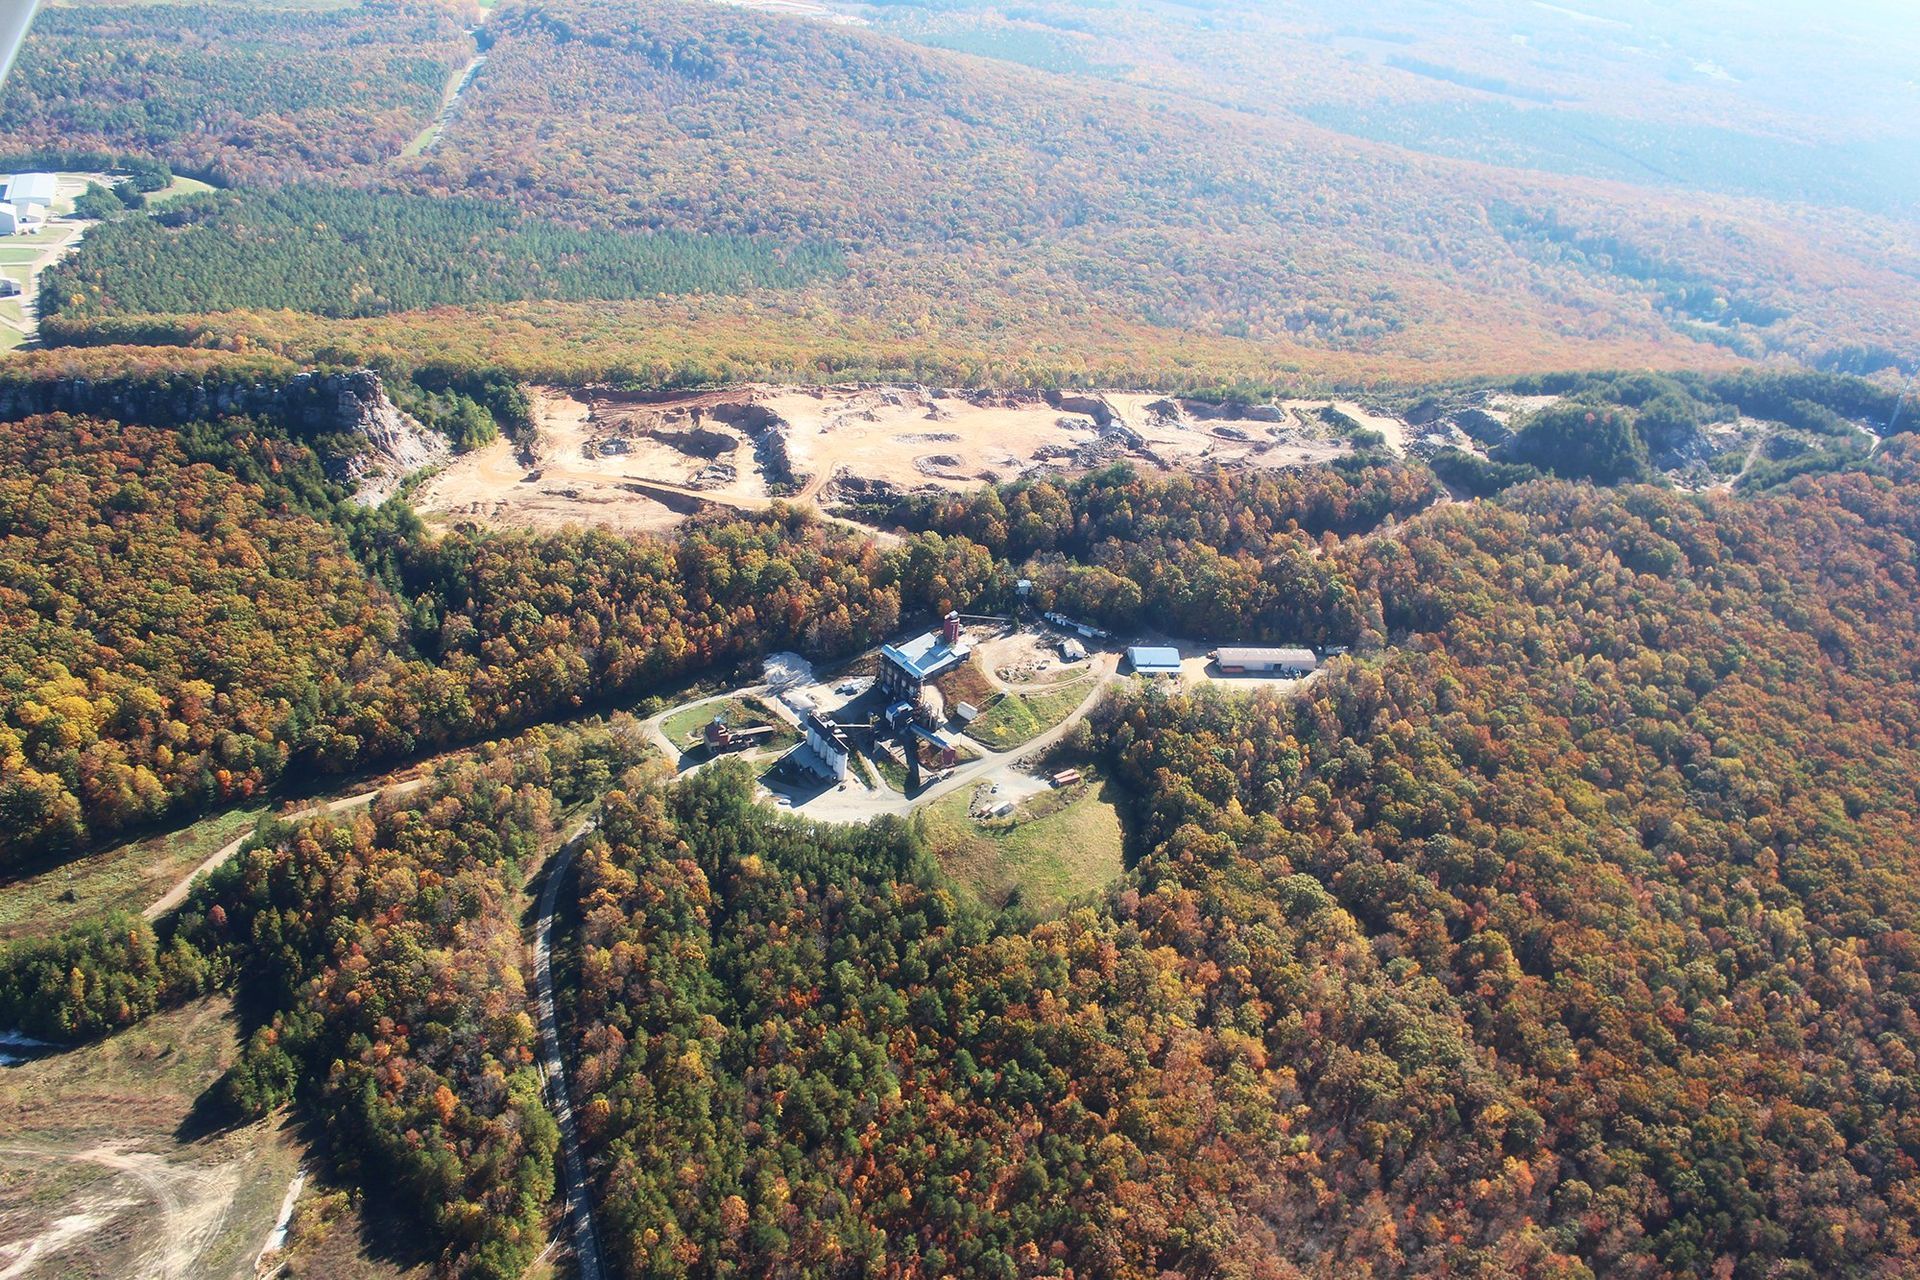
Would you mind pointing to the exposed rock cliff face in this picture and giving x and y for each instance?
(1093, 406)
(395, 445)
(362, 437)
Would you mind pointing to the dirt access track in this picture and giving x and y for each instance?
(641, 462)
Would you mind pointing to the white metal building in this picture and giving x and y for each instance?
(25, 190)
(1262, 661)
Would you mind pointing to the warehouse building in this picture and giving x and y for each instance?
(1154, 660)
(1262, 661)
(907, 668)
(30, 191)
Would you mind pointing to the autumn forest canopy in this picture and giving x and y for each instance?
(1611, 813)
(1550, 377)
(915, 200)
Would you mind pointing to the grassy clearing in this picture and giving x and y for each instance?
(892, 772)
(126, 877)
(41, 239)
(1021, 717)
(1055, 847)
(335, 1236)
(179, 187)
(108, 1134)
(741, 713)
(10, 338)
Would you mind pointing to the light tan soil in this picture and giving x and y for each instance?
(107, 1172)
(640, 463)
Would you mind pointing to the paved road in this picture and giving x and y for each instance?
(836, 806)
(553, 1068)
(178, 894)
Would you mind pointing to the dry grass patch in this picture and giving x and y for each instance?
(124, 878)
(1055, 847)
(110, 1172)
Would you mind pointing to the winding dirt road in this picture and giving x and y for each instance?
(173, 897)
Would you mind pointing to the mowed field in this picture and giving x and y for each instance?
(1056, 846)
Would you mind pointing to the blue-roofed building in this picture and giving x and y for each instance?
(1154, 660)
(906, 667)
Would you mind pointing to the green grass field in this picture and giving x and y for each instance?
(1022, 717)
(126, 877)
(179, 187)
(1056, 846)
(683, 724)
(36, 240)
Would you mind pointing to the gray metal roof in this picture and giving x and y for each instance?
(1261, 655)
(1153, 658)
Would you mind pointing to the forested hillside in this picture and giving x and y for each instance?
(1570, 937)
(1680, 98)
(1563, 931)
(240, 92)
(184, 617)
(998, 223)
(1255, 226)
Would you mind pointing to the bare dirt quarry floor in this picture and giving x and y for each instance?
(639, 462)
(106, 1171)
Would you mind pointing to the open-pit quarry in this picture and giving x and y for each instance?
(638, 461)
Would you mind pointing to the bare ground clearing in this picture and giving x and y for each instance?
(107, 1173)
(640, 462)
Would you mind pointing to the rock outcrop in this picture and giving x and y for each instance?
(360, 434)
(1094, 407)
(395, 446)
